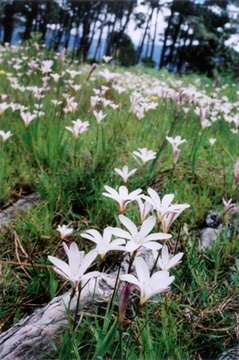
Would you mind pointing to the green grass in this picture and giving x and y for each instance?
(197, 318)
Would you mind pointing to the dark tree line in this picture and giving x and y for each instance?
(194, 36)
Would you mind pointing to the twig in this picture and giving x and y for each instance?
(24, 264)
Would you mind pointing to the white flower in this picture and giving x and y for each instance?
(56, 102)
(3, 107)
(65, 231)
(139, 238)
(46, 66)
(99, 115)
(5, 135)
(205, 123)
(166, 261)
(56, 77)
(125, 173)
(122, 196)
(148, 285)
(71, 104)
(27, 117)
(160, 206)
(108, 75)
(167, 212)
(168, 219)
(78, 127)
(107, 59)
(175, 142)
(144, 209)
(144, 155)
(73, 73)
(103, 242)
(76, 87)
(78, 263)
(212, 141)
(95, 100)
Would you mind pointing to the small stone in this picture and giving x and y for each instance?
(213, 220)
(234, 224)
(232, 354)
(208, 236)
(22, 205)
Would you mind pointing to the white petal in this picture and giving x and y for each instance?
(142, 270)
(147, 226)
(175, 260)
(160, 281)
(154, 196)
(89, 275)
(61, 265)
(130, 226)
(123, 192)
(121, 233)
(92, 235)
(167, 200)
(130, 279)
(152, 245)
(135, 194)
(87, 261)
(158, 236)
(131, 246)
(118, 242)
(132, 172)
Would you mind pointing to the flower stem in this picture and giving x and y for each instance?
(155, 264)
(131, 261)
(77, 307)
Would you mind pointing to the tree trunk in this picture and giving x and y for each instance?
(97, 47)
(108, 51)
(169, 57)
(123, 27)
(8, 23)
(30, 17)
(154, 36)
(84, 45)
(141, 47)
(162, 57)
(180, 61)
(43, 21)
(93, 32)
(146, 53)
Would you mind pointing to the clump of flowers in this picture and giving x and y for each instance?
(132, 239)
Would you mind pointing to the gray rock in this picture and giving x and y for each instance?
(22, 205)
(234, 224)
(213, 220)
(208, 235)
(232, 354)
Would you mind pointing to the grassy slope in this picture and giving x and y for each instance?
(198, 317)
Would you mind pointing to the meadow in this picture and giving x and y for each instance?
(66, 132)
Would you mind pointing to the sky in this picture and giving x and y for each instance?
(136, 34)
